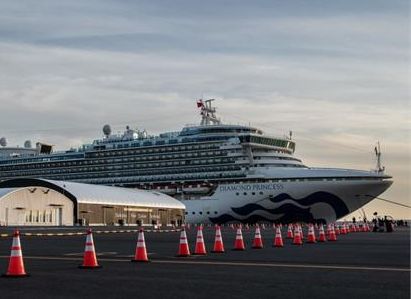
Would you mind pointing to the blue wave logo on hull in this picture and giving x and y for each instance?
(290, 212)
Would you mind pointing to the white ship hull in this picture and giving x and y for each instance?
(286, 201)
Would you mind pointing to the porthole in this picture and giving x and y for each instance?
(194, 213)
(201, 213)
(253, 193)
(261, 193)
(208, 213)
(215, 212)
(237, 194)
(186, 213)
(245, 193)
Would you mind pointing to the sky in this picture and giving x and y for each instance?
(336, 73)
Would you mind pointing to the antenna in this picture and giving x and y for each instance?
(377, 149)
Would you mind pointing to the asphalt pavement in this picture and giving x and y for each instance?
(358, 265)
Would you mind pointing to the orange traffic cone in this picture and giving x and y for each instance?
(218, 242)
(16, 264)
(290, 234)
(332, 236)
(89, 259)
(258, 241)
(297, 236)
(141, 252)
(200, 246)
(321, 237)
(239, 242)
(311, 234)
(301, 232)
(343, 230)
(183, 249)
(337, 230)
(278, 240)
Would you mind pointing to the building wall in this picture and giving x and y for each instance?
(109, 215)
(36, 206)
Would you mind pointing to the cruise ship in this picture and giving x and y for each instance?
(221, 172)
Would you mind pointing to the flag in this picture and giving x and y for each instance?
(200, 104)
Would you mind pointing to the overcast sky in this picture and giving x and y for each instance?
(336, 73)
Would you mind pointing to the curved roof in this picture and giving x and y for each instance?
(99, 194)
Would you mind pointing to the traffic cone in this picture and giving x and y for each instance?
(337, 230)
(332, 236)
(89, 258)
(347, 228)
(239, 242)
(16, 264)
(141, 252)
(290, 234)
(321, 237)
(200, 246)
(257, 242)
(183, 249)
(218, 241)
(311, 234)
(297, 236)
(343, 230)
(300, 228)
(278, 240)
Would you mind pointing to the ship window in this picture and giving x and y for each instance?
(208, 213)
(215, 212)
(245, 193)
(261, 193)
(201, 213)
(253, 193)
(237, 194)
(194, 213)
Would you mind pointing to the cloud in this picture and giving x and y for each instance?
(337, 74)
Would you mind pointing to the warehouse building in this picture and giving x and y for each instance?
(39, 202)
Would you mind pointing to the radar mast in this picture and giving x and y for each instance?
(208, 112)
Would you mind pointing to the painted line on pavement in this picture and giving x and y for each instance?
(236, 264)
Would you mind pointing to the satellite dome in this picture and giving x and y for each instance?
(27, 144)
(107, 130)
(3, 141)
